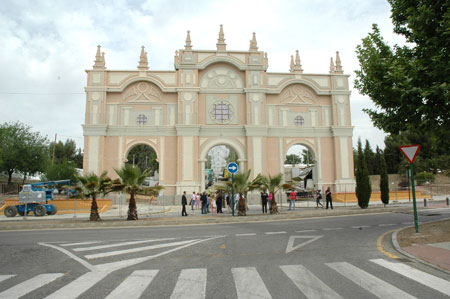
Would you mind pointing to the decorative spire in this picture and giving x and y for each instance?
(188, 45)
(99, 63)
(297, 66)
(143, 62)
(292, 64)
(221, 45)
(332, 69)
(253, 43)
(338, 64)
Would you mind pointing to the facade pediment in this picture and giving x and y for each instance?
(298, 94)
(221, 78)
(142, 92)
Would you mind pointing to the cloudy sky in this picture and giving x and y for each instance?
(45, 46)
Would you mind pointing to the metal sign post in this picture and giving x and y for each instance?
(232, 168)
(410, 152)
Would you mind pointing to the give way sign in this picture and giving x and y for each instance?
(410, 152)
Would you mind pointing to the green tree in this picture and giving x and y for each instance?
(273, 184)
(409, 84)
(363, 187)
(369, 157)
(307, 157)
(293, 159)
(61, 171)
(131, 181)
(144, 157)
(21, 150)
(92, 186)
(384, 177)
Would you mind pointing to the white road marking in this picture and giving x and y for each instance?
(78, 286)
(80, 243)
(408, 222)
(119, 244)
(308, 283)
(374, 285)
(387, 224)
(332, 228)
(242, 235)
(191, 284)
(360, 226)
(5, 277)
(426, 279)
(290, 246)
(134, 285)
(132, 250)
(249, 284)
(305, 231)
(275, 233)
(29, 285)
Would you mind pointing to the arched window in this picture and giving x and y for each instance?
(141, 119)
(299, 120)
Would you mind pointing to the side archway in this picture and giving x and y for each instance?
(301, 160)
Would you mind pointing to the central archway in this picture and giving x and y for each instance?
(145, 157)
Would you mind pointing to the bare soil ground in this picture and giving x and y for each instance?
(436, 232)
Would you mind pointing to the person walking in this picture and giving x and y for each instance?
(204, 200)
(329, 198)
(292, 196)
(197, 201)
(193, 197)
(318, 198)
(184, 203)
(264, 198)
(219, 200)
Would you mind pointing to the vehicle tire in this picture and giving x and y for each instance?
(10, 211)
(53, 212)
(39, 211)
(20, 213)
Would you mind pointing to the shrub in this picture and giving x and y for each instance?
(423, 177)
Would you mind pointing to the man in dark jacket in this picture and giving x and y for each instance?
(184, 203)
(204, 200)
(264, 198)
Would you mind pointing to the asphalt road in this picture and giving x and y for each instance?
(334, 257)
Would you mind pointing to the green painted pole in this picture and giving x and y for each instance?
(232, 193)
(416, 223)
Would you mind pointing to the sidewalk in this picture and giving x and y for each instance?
(430, 246)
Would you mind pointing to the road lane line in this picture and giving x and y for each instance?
(305, 231)
(381, 248)
(5, 277)
(78, 286)
(275, 233)
(242, 235)
(371, 283)
(360, 226)
(439, 284)
(119, 244)
(132, 250)
(134, 285)
(332, 228)
(29, 285)
(308, 283)
(81, 243)
(387, 224)
(249, 284)
(191, 284)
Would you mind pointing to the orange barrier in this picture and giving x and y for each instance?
(376, 196)
(68, 206)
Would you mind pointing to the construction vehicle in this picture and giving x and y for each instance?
(35, 198)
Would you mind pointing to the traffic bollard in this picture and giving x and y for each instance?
(425, 202)
(447, 201)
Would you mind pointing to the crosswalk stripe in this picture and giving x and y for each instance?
(126, 251)
(191, 284)
(29, 285)
(374, 285)
(78, 286)
(249, 284)
(5, 277)
(134, 285)
(426, 279)
(308, 283)
(119, 244)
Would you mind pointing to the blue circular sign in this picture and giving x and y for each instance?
(232, 168)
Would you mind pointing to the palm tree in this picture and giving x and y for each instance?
(91, 186)
(273, 184)
(131, 180)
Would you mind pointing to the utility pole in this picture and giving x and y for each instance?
(54, 147)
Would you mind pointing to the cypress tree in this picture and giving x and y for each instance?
(363, 187)
(384, 179)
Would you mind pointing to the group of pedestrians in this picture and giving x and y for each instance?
(266, 199)
(328, 197)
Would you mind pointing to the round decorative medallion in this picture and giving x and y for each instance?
(187, 97)
(95, 96)
(142, 87)
(341, 100)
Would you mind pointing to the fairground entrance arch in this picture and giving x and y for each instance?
(219, 97)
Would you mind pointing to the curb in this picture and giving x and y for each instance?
(413, 257)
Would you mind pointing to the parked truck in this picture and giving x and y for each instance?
(35, 198)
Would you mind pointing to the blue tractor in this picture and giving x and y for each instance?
(35, 198)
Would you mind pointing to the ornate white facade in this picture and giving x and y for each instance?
(219, 97)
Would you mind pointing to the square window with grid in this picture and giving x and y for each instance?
(141, 119)
(299, 120)
(222, 112)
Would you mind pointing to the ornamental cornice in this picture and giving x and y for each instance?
(256, 130)
(341, 131)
